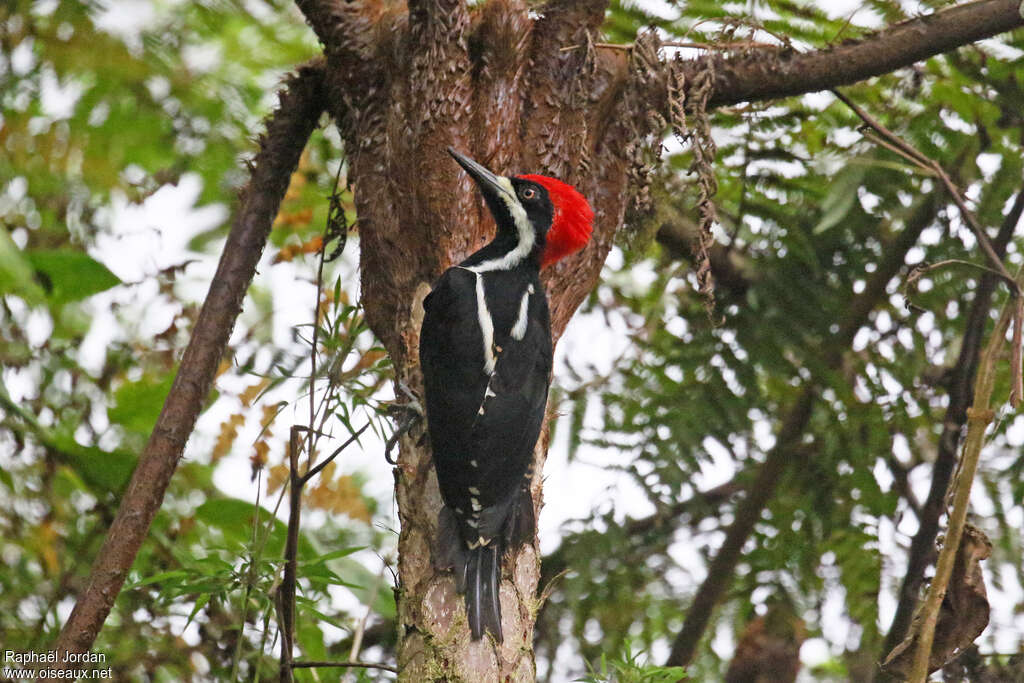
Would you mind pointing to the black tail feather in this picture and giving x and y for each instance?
(483, 605)
(478, 570)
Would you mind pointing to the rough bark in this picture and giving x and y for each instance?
(418, 214)
(301, 103)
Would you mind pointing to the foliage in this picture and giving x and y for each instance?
(633, 667)
(104, 110)
(811, 210)
(97, 121)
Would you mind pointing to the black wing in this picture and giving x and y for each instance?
(483, 427)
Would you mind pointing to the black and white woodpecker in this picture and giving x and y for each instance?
(485, 351)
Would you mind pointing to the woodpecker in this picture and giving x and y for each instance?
(485, 352)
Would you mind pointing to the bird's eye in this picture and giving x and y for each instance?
(528, 193)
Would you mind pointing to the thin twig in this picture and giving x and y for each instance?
(312, 433)
(912, 154)
(346, 665)
(896, 149)
(286, 594)
(1017, 391)
(741, 44)
(357, 637)
(316, 470)
(925, 268)
(979, 415)
(921, 270)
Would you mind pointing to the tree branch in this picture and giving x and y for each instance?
(748, 511)
(960, 388)
(558, 87)
(772, 73)
(301, 103)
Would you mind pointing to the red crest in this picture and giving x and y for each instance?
(571, 224)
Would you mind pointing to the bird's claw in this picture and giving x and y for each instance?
(406, 415)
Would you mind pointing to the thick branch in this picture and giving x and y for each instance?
(344, 28)
(301, 103)
(961, 383)
(748, 512)
(558, 94)
(771, 73)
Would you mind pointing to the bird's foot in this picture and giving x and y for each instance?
(405, 415)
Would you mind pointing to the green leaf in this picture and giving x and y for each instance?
(200, 603)
(333, 555)
(137, 404)
(101, 470)
(159, 578)
(842, 194)
(235, 517)
(16, 275)
(70, 275)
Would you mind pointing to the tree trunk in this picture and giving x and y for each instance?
(470, 82)
(520, 95)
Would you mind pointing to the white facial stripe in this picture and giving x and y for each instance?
(519, 329)
(524, 230)
(486, 326)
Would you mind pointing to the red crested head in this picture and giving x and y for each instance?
(571, 223)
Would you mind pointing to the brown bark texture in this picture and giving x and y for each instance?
(520, 90)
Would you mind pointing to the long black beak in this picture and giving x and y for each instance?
(489, 183)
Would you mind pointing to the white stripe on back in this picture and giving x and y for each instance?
(486, 325)
(519, 328)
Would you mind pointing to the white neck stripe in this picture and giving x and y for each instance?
(524, 231)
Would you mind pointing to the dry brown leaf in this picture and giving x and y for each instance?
(276, 477)
(226, 437)
(294, 218)
(964, 612)
(250, 394)
(224, 366)
(258, 459)
(48, 547)
(266, 419)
